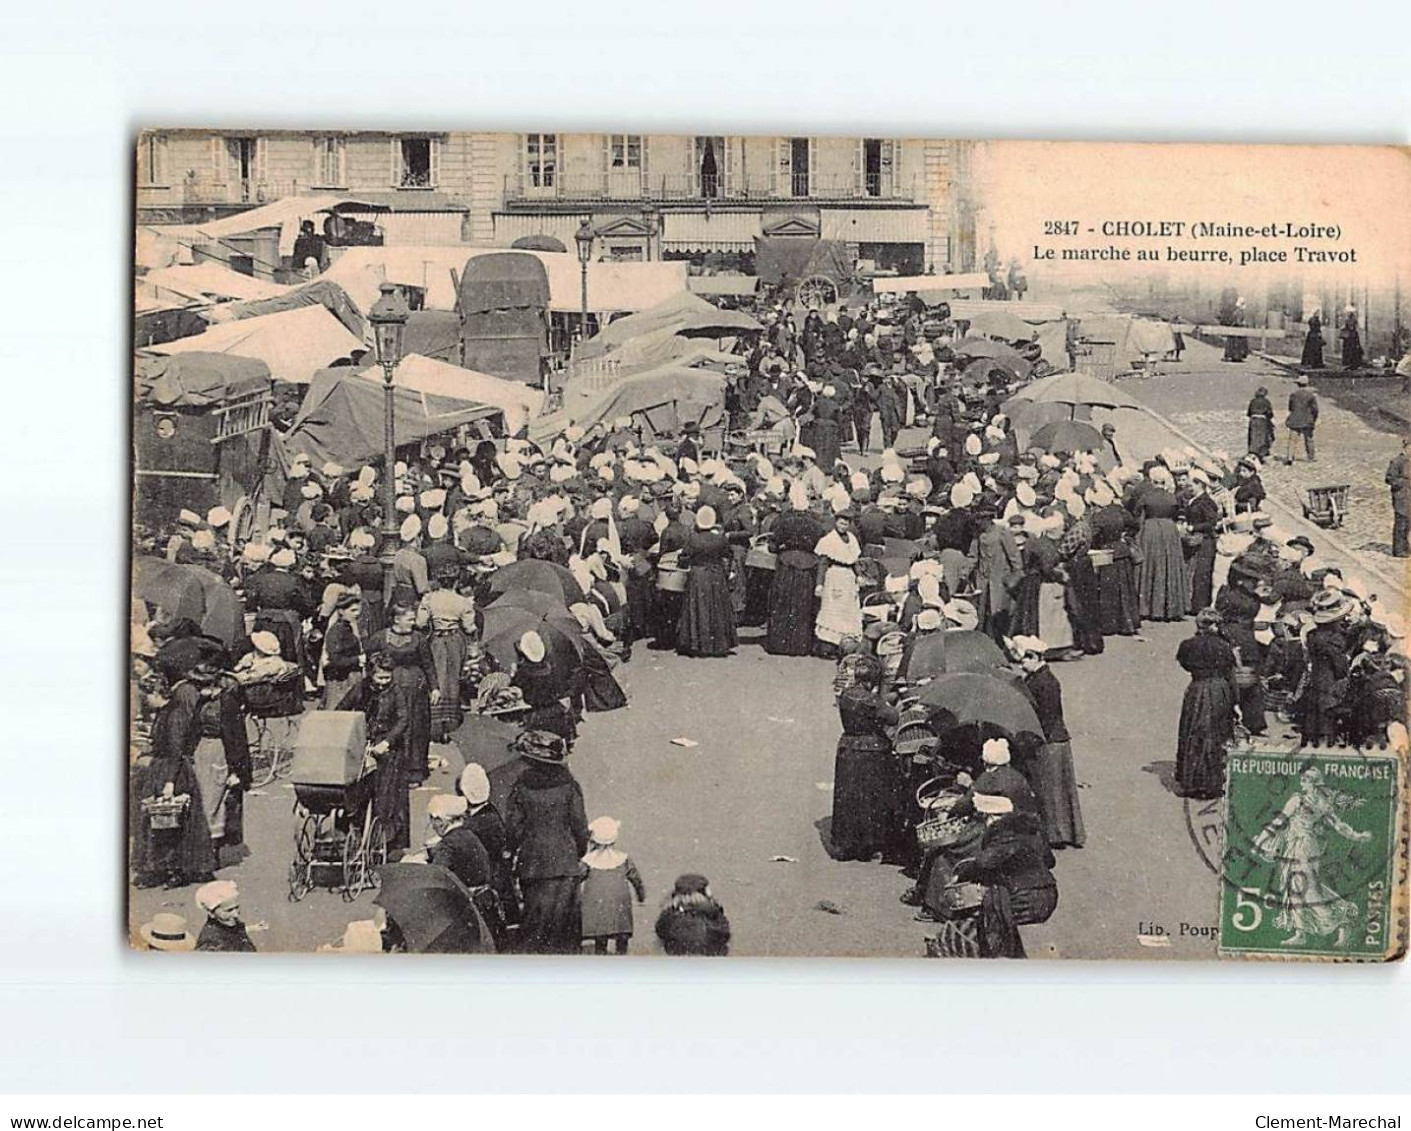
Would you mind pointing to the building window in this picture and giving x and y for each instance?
(798, 164)
(416, 160)
(626, 151)
(330, 162)
(710, 166)
(541, 159)
(877, 167)
(153, 156)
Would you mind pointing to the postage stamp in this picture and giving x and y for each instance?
(1310, 851)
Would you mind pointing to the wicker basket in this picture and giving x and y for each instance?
(913, 732)
(165, 812)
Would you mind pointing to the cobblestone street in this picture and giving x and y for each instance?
(1206, 398)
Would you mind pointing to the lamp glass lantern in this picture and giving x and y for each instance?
(389, 316)
(584, 238)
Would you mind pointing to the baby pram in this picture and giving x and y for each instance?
(339, 843)
(272, 705)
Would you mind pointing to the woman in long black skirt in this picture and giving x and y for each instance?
(793, 609)
(1208, 710)
(867, 781)
(548, 830)
(707, 623)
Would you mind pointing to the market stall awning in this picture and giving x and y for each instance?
(294, 343)
(710, 231)
(612, 287)
(320, 292)
(659, 400)
(342, 415)
(683, 314)
(210, 282)
(285, 214)
(737, 285)
(900, 284)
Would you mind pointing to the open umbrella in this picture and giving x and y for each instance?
(542, 576)
(928, 657)
(563, 639)
(977, 373)
(488, 741)
(1076, 389)
(191, 592)
(1067, 436)
(983, 699)
(1007, 356)
(1000, 324)
(971, 651)
(433, 909)
(530, 600)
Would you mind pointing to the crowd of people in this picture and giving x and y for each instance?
(678, 542)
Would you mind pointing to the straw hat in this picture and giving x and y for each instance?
(167, 931)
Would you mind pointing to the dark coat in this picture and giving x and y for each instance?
(547, 823)
(699, 931)
(1047, 694)
(216, 936)
(1303, 410)
(1013, 855)
(461, 852)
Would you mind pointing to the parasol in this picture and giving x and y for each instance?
(542, 576)
(433, 909)
(1067, 436)
(1000, 324)
(971, 651)
(488, 741)
(973, 698)
(190, 592)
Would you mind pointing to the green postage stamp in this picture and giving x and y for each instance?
(1310, 853)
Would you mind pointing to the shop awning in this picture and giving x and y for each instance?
(710, 231)
(737, 285)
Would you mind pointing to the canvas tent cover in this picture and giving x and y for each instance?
(681, 314)
(293, 343)
(342, 415)
(789, 259)
(285, 214)
(612, 287)
(1134, 337)
(195, 379)
(661, 400)
(320, 292)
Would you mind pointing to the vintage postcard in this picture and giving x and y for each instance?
(705, 545)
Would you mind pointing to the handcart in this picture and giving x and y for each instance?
(272, 704)
(1326, 505)
(338, 844)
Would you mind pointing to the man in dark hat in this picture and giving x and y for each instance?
(689, 446)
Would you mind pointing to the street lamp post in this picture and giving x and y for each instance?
(584, 238)
(389, 316)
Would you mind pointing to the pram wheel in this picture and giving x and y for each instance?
(301, 870)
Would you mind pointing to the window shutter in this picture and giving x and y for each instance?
(646, 182)
(812, 166)
(859, 167)
(342, 145)
(782, 166)
(218, 159)
(396, 173)
(434, 161)
(261, 169)
(316, 176)
(891, 170)
(727, 145)
(605, 178)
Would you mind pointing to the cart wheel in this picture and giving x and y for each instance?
(376, 853)
(817, 290)
(355, 877)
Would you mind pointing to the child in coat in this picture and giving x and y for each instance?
(609, 881)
